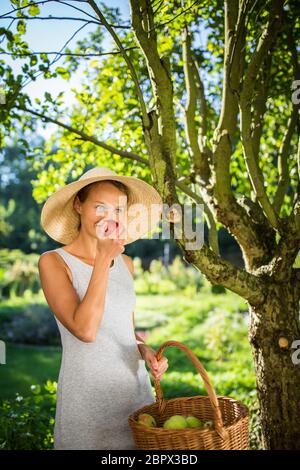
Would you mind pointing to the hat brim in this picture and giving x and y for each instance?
(60, 220)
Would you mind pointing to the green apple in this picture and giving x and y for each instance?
(148, 420)
(194, 422)
(175, 422)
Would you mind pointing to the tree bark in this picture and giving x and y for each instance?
(273, 327)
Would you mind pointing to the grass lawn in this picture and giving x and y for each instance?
(27, 365)
(163, 317)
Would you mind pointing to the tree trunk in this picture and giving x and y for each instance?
(273, 328)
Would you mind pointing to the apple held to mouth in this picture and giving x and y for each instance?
(107, 227)
(111, 226)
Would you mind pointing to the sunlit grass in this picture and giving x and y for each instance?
(26, 365)
(163, 317)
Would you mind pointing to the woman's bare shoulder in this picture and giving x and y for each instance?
(52, 260)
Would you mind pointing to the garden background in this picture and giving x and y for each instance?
(201, 100)
(174, 301)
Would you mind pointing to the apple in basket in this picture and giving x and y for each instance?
(182, 422)
(148, 420)
(194, 422)
(175, 422)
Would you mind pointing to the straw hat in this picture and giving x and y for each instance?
(60, 220)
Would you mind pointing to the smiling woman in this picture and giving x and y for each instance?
(84, 192)
(102, 377)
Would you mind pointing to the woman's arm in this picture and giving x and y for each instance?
(82, 319)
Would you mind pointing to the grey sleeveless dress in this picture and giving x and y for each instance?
(101, 383)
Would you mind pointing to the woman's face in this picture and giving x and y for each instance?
(104, 201)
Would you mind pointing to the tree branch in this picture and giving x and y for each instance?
(233, 65)
(283, 154)
(172, 19)
(296, 210)
(290, 26)
(234, 215)
(160, 137)
(26, 54)
(298, 158)
(261, 105)
(211, 223)
(281, 265)
(67, 18)
(87, 138)
(52, 1)
(199, 158)
(42, 18)
(296, 272)
(265, 42)
(202, 136)
(139, 92)
(220, 271)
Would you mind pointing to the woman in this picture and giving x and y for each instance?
(88, 284)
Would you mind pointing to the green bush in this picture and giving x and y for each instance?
(18, 273)
(34, 324)
(159, 280)
(26, 423)
(19, 276)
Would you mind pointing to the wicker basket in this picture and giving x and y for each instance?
(230, 418)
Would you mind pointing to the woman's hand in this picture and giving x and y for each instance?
(157, 368)
(110, 243)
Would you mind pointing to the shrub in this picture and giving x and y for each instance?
(18, 272)
(26, 423)
(159, 280)
(35, 324)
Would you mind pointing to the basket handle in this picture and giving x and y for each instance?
(218, 421)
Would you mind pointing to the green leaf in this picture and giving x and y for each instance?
(48, 97)
(33, 60)
(21, 27)
(44, 57)
(64, 73)
(8, 34)
(33, 10)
